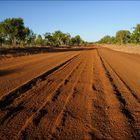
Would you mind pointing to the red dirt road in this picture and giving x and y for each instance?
(17, 71)
(91, 94)
(127, 66)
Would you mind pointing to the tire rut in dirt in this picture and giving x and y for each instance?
(81, 99)
(129, 105)
(42, 127)
(107, 116)
(11, 96)
(129, 88)
(75, 121)
(33, 99)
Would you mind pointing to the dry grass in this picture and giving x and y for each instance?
(129, 48)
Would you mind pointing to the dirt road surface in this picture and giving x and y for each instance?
(91, 94)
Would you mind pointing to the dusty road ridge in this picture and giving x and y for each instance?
(91, 94)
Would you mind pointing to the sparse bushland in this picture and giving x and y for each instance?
(58, 38)
(123, 37)
(13, 33)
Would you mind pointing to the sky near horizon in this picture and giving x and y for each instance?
(91, 19)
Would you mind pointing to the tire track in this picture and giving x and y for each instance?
(106, 114)
(118, 93)
(134, 94)
(127, 102)
(82, 98)
(17, 76)
(8, 99)
(24, 61)
(32, 98)
(55, 108)
(55, 95)
(63, 115)
(75, 121)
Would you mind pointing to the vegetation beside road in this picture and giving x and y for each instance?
(13, 33)
(123, 37)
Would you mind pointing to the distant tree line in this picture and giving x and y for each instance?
(123, 37)
(14, 33)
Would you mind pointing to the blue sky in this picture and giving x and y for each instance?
(91, 19)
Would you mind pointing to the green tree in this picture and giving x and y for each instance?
(66, 39)
(39, 40)
(72, 41)
(135, 37)
(123, 36)
(107, 40)
(30, 38)
(49, 40)
(13, 29)
(76, 40)
(57, 39)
